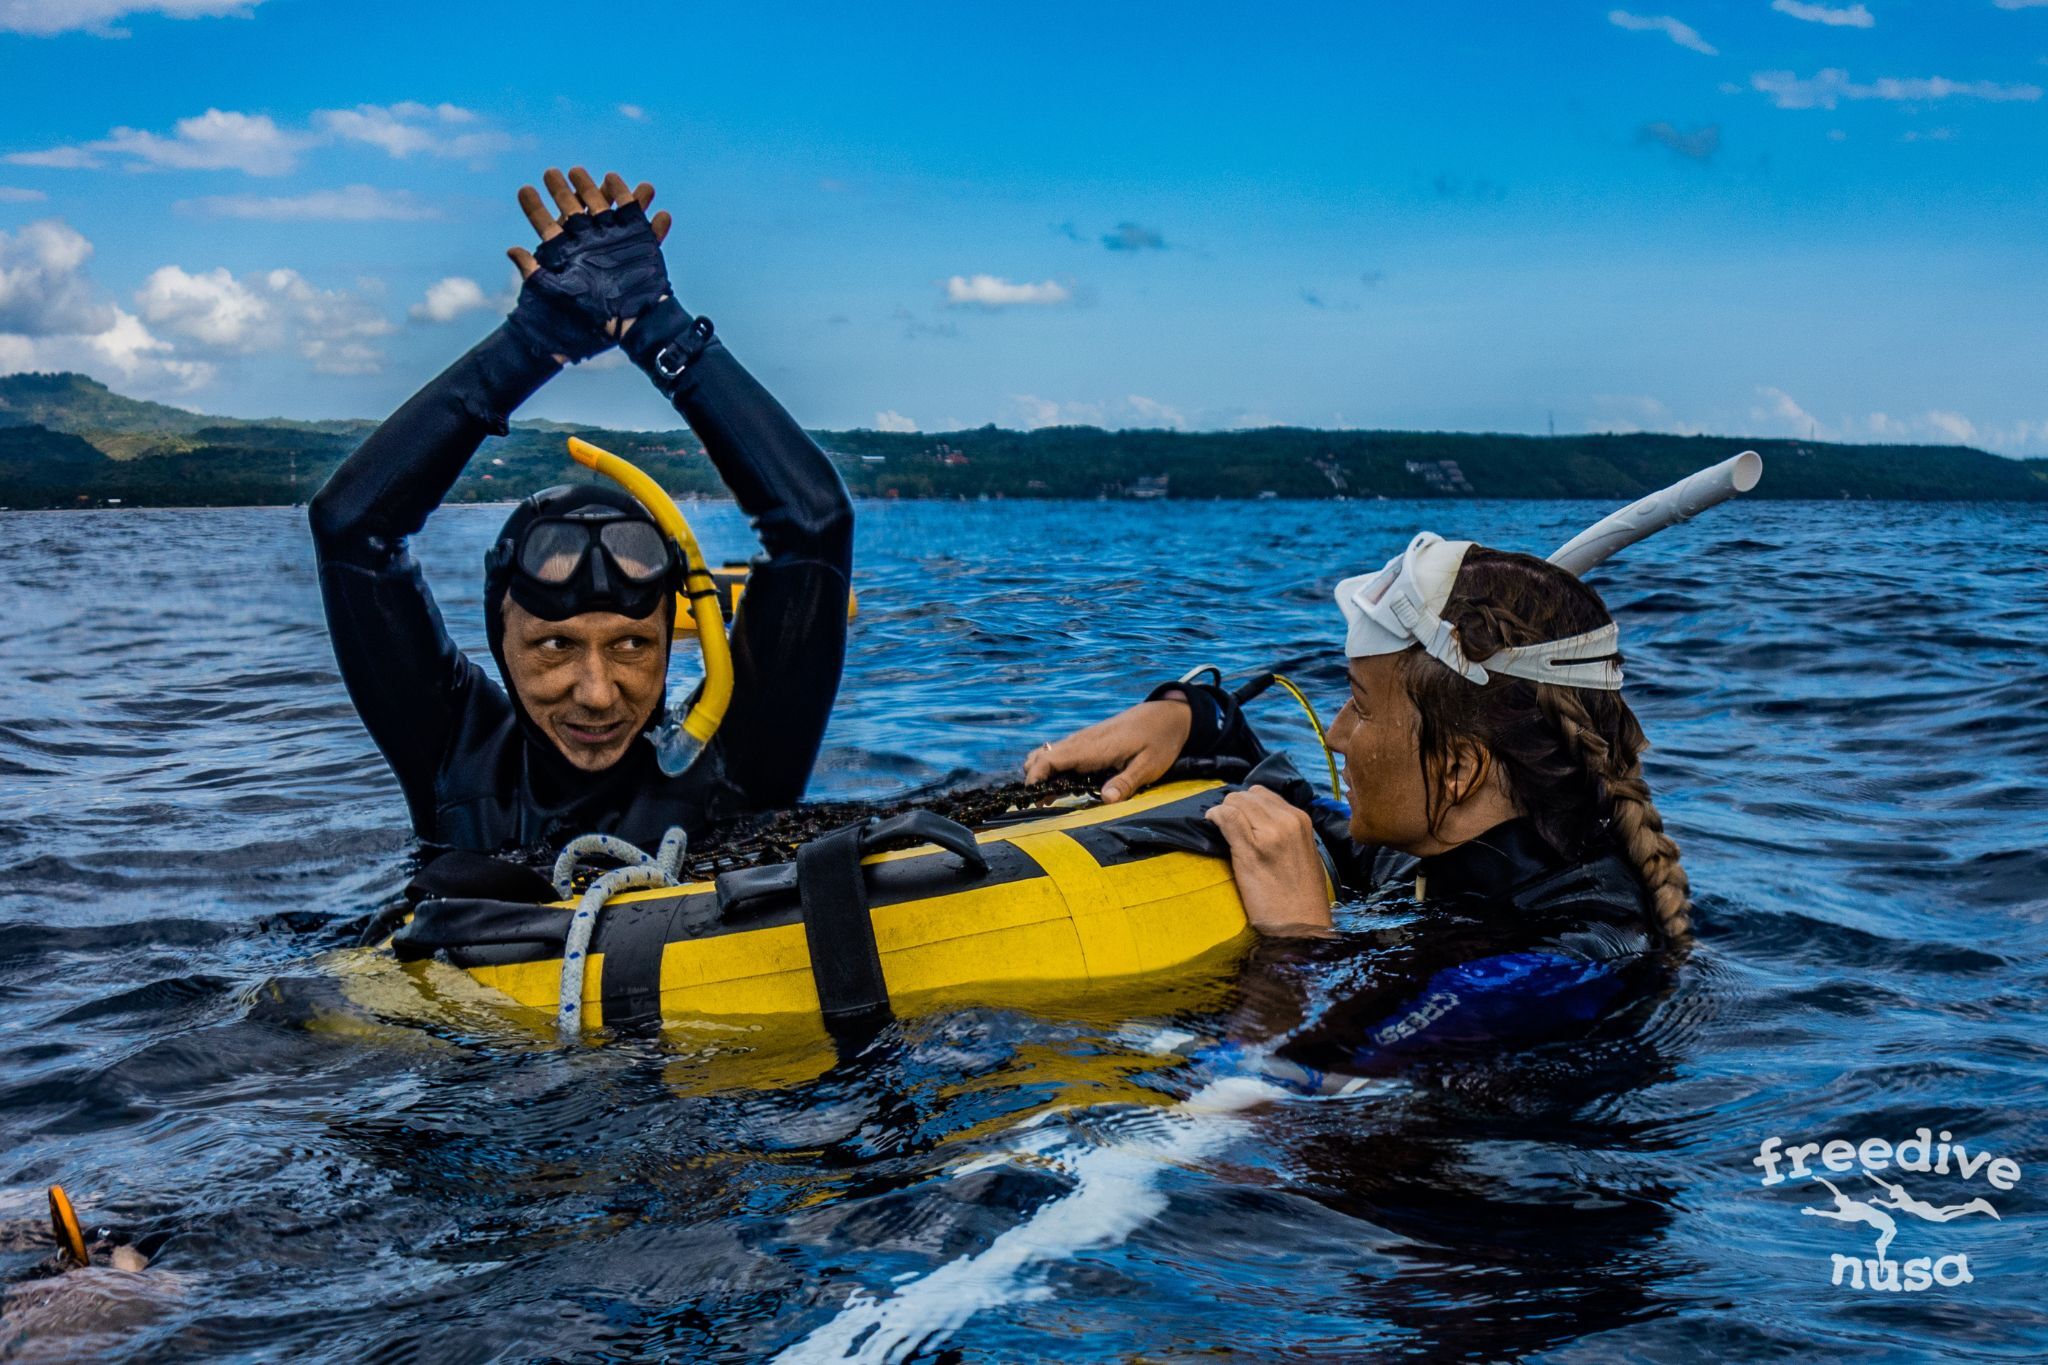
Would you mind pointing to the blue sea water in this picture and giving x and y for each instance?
(357, 1163)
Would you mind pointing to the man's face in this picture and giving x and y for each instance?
(589, 682)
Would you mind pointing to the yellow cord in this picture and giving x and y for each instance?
(1336, 783)
(698, 589)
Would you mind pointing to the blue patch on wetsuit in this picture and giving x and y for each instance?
(1516, 996)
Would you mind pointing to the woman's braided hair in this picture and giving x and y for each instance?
(1571, 757)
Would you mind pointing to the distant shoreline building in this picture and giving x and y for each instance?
(1444, 476)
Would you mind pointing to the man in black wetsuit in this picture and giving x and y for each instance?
(581, 628)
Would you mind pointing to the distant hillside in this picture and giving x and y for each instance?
(123, 427)
(1294, 462)
(74, 403)
(68, 441)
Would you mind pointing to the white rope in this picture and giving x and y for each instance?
(643, 871)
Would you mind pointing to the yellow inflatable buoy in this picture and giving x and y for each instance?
(731, 582)
(1069, 898)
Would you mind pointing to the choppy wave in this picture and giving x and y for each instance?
(353, 1163)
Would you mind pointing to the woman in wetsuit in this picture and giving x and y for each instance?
(1496, 793)
(581, 629)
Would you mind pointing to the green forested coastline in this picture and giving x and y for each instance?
(68, 441)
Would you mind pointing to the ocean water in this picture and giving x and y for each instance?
(345, 1161)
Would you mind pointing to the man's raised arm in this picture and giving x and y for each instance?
(405, 674)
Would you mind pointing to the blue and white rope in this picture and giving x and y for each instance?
(643, 871)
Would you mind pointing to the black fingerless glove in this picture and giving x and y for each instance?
(600, 269)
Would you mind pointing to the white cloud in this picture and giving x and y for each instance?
(2021, 4)
(1685, 35)
(330, 328)
(1781, 412)
(333, 325)
(14, 194)
(350, 204)
(1942, 427)
(212, 308)
(891, 420)
(1855, 16)
(217, 140)
(633, 112)
(341, 357)
(1953, 425)
(1037, 412)
(45, 17)
(129, 348)
(52, 319)
(409, 128)
(225, 140)
(991, 291)
(1928, 135)
(1829, 87)
(56, 158)
(43, 288)
(1031, 412)
(123, 352)
(449, 299)
(1155, 413)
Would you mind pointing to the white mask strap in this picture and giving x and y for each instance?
(1577, 661)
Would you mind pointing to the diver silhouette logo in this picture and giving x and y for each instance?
(1847, 1210)
(1921, 1153)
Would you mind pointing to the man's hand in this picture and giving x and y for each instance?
(1273, 856)
(1141, 743)
(576, 195)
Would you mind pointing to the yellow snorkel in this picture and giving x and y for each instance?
(679, 740)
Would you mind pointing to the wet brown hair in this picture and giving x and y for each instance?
(1571, 757)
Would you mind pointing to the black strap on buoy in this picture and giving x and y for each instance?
(844, 960)
(845, 963)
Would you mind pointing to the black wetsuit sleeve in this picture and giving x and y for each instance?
(789, 634)
(1217, 724)
(1219, 728)
(408, 679)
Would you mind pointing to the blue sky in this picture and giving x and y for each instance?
(1748, 217)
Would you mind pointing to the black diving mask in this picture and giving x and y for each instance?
(595, 558)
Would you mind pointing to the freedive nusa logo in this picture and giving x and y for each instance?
(1921, 1154)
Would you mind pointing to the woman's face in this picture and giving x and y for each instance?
(1377, 732)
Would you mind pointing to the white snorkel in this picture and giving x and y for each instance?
(1402, 605)
(1646, 516)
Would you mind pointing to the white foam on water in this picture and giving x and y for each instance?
(1113, 1196)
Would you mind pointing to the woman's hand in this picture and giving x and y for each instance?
(608, 271)
(1141, 744)
(1273, 856)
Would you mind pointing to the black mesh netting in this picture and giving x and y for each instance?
(763, 840)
